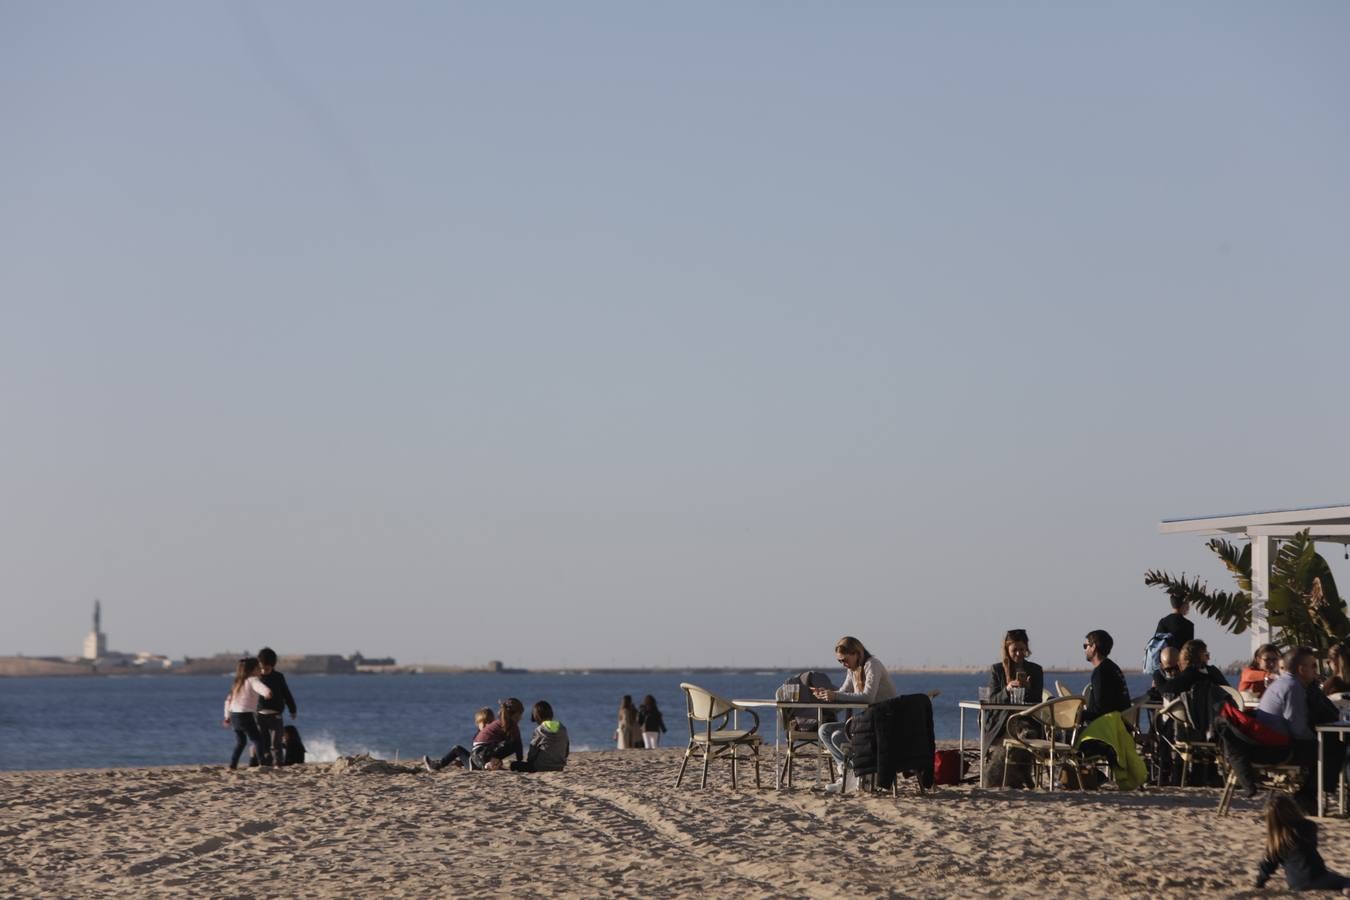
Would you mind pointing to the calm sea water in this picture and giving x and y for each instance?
(58, 723)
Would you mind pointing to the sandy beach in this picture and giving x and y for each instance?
(612, 824)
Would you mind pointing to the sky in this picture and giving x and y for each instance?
(641, 334)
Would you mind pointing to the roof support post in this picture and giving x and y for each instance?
(1263, 553)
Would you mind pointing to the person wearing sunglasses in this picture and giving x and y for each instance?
(1108, 691)
(865, 681)
(1264, 669)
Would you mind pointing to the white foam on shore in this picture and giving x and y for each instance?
(324, 748)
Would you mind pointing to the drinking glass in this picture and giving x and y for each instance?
(1018, 695)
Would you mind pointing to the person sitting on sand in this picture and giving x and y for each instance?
(865, 681)
(1012, 672)
(549, 746)
(240, 705)
(292, 748)
(1264, 668)
(484, 739)
(1108, 691)
(509, 713)
(1291, 841)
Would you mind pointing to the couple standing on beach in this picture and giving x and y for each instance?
(253, 709)
(639, 725)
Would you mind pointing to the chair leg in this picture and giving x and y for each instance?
(1226, 798)
(733, 767)
(687, 753)
(754, 749)
(707, 752)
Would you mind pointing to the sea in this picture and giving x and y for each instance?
(155, 720)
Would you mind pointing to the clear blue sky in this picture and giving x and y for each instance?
(628, 334)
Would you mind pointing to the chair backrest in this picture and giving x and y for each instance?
(1175, 710)
(1061, 689)
(1234, 693)
(1058, 712)
(1342, 700)
(703, 704)
(1046, 695)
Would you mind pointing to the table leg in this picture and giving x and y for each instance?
(1321, 797)
(1340, 781)
(984, 744)
(961, 734)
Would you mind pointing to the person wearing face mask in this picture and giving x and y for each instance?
(1013, 672)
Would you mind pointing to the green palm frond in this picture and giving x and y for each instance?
(1231, 610)
(1238, 561)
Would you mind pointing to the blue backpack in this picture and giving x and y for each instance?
(1153, 652)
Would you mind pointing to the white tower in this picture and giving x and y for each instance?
(96, 642)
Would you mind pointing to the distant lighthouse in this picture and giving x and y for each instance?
(96, 642)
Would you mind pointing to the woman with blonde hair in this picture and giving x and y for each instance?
(866, 681)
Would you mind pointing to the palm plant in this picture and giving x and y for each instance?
(1303, 608)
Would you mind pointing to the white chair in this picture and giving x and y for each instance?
(714, 738)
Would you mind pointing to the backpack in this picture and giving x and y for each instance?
(804, 719)
(1153, 652)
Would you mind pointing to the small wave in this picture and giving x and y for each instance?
(324, 748)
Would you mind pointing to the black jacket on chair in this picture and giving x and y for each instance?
(894, 736)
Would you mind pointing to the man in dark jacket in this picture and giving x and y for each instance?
(269, 708)
(1108, 692)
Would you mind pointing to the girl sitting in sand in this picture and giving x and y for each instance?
(1291, 841)
(549, 746)
(292, 748)
(240, 705)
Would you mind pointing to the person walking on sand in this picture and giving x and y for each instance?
(865, 681)
(270, 707)
(240, 705)
(650, 722)
(629, 733)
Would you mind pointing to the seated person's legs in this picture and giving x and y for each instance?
(834, 738)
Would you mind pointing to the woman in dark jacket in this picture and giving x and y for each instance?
(1194, 667)
(1013, 671)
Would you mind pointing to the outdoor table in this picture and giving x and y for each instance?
(981, 707)
(779, 705)
(1340, 729)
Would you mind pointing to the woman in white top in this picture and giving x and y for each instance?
(240, 705)
(865, 681)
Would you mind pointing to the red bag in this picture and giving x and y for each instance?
(947, 767)
(1252, 729)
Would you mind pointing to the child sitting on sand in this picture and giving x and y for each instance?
(549, 746)
(292, 748)
(490, 735)
(1291, 840)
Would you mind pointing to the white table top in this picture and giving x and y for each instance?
(802, 704)
(989, 705)
(1333, 726)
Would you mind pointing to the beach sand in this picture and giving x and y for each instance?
(612, 824)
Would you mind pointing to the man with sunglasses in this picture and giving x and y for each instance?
(1108, 692)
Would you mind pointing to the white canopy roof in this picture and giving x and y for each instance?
(1323, 523)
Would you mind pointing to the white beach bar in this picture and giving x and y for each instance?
(1329, 524)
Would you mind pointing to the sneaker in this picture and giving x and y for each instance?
(834, 787)
(427, 764)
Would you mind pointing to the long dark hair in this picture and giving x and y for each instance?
(649, 704)
(627, 703)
